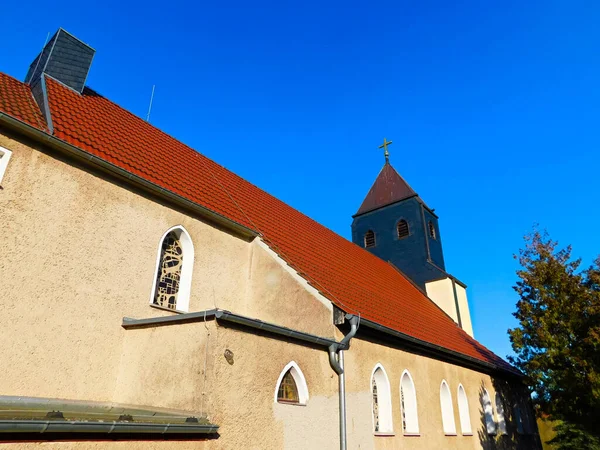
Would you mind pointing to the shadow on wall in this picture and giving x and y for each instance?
(511, 435)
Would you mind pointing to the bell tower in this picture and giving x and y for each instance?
(396, 225)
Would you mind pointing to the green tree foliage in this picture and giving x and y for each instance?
(557, 342)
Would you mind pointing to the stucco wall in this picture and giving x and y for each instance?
(463, 305)
(442, 294)
(79, 253)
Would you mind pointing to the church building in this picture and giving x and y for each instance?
(152, 299)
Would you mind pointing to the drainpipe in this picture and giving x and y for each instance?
(337, 364)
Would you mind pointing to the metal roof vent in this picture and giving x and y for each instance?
(64, 58)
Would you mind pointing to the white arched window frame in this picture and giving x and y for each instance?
(488, 412)
(463, 412)
(447, 410)
(500, 415)
(299, 379)
(5, 155)
(408, 404)
(382, 401)
(519, 419)
(187, 266)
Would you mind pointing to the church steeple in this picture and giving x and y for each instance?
(394, 223)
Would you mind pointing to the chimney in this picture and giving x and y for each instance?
(64, 58)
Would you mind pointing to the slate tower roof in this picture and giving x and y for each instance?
(389, 187)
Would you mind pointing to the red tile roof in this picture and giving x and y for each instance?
(17, 101)
(389, 187)
(351, 277)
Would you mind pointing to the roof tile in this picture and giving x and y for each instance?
(351, 277)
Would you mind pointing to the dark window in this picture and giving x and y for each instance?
(369, 239)
(288, 391)
(402, 229)
(431, 229)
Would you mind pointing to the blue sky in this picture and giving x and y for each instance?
(493, 108)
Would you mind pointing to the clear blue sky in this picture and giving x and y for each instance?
(493, 107)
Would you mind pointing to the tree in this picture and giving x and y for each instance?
(557, 342)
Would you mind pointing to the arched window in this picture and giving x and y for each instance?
(402, 229)
(369, 239)
(291, 386)
(431, 229)
(488, 412)
(408, 404)
(173, 277)
(519, 420)
(463, 412)
(500, 414)
(382, 401)
(447, 409)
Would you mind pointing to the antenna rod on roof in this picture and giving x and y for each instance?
(150, 107)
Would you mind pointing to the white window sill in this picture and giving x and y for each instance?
(409, 434)
(450, 434)
(384, 433)
(467, 434)
(279, 402)
(163, 308)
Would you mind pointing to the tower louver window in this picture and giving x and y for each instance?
(402, 229)
(431, 229)
(369, 239)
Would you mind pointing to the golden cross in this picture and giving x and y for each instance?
(385, 152)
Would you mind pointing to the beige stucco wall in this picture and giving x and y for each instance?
(463, 305)
(440, 291)
(79, 254)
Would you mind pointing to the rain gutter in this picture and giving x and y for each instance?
(136, 180)
(228, 316)
(112, 428)
(449, 355)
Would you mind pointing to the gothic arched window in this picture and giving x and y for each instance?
(500, 414)
(488, 412)
(447, 409)
(402, 229)
(408, 404)
(291, 386)
(431, 229)
(369, 239)
(463, 412)
(174, 270)
(382, 401)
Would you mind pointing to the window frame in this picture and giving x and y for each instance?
(463, 411)
(447, 410)
(500, 415)
(432, 231)
(384, 400)
(490, 421)
(398, 229)
(365, 239)
(4, 159)
(300, 381)
(183, 295)
(414, 412)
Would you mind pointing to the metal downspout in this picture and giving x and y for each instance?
(337, 364)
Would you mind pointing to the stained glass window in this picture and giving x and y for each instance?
(375, 404)
(288, 391)
(169, 272)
